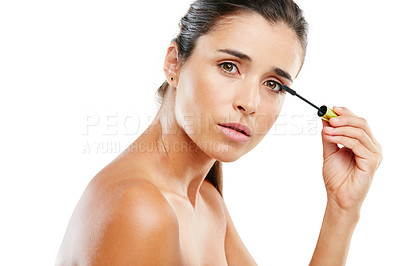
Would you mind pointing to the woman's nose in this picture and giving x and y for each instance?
(247, 99)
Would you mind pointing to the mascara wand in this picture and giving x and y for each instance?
(323, 111)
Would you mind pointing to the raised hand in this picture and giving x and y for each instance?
(348, 171)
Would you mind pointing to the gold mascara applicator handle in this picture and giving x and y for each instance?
(326, 113)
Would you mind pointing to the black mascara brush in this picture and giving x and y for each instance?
(323, 111)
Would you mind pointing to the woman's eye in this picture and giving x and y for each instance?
(229, 67)
(273, 85)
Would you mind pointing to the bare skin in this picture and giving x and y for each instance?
(152, 204)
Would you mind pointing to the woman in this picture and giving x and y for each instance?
(160, 202)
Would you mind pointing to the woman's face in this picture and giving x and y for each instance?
(231, 81)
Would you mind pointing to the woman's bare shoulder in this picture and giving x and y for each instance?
(121, 222)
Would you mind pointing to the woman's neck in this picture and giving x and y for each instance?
(180, 166)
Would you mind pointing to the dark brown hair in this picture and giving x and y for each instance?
(203, 15)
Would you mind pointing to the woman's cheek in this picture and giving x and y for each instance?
(265, 120)
(262, 124)
(276, 103)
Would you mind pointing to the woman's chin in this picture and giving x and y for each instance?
(228, 155)
(222, 151)
(229, 160)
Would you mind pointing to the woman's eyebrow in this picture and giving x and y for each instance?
(236, 53)
(283, 74)
(245, 57)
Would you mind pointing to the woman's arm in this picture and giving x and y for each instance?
(348, 174)
(334, 238)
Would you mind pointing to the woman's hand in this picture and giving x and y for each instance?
(348, 171)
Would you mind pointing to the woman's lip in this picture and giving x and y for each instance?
(238, 127)
(233, 134)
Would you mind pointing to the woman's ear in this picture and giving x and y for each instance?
(171, 65)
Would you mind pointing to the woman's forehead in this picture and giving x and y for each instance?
(253, 35)
(248, 28)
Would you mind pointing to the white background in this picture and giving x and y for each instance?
(65, 65)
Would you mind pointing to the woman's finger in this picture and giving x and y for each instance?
(353, 132)
(347, 118)
(366, 160)
(328, 146)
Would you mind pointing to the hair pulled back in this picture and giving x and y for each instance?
(201, 19)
